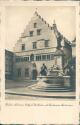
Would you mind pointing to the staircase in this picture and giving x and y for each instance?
(50, 88)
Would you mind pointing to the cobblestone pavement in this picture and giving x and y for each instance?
(22, 92)
(17, 84)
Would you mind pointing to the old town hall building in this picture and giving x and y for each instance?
(40, 43)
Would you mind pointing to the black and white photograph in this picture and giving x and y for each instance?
(40, 53)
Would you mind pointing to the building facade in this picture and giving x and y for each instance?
(73, 48)
(40, 44)
(9, 61)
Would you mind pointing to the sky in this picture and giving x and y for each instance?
(17, 17)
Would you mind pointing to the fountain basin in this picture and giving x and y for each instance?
(62, 80)
(51, 79)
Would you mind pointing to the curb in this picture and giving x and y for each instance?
(42, 96)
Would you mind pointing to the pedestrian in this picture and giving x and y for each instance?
(34, 72)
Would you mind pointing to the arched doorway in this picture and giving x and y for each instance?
(34, 72)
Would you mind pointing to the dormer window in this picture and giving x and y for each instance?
(35, 25)
(23, 47)
(31, 33)
(39, 32)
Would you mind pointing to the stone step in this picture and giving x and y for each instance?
(50, 88)
(45, 87)
(53, 85)
(55, 90)
(50, 84)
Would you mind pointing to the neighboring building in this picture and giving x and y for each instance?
(74, 48)
(40, 43)
(9, 64)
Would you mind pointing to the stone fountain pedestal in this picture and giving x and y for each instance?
(53, 82)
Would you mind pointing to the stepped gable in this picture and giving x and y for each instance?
(36, 13)
(23, 35)
(54, 28)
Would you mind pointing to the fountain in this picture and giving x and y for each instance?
(53, 81)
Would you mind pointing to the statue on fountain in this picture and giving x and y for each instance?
(54, 71)
(43, 71)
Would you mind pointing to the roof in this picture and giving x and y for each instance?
(23, 35)
(54, 28)
(36, 13)
(9, 52)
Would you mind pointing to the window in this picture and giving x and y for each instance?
(38, 58)
(46, 43)
(31, 33)
(52, 56)
(26, 58)
(18, 59)
(19, 72)
(48, 57)
(34, 45)
(22, 59)
(39, 32)
(27, 72)
(43, 57)
(32, 57)
(23, 46)
(35, 25)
